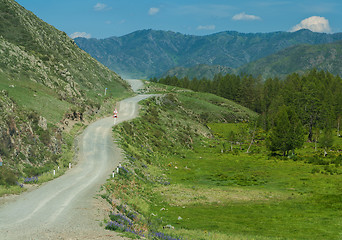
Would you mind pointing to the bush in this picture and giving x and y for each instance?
(315, 170)
(337, 161)
(331, 170)
(30, 170)
(7, 177)
(44, 136)
(316, 160)
(4, 150)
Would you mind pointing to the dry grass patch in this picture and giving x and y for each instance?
(180, 195)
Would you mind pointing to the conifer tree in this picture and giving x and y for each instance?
(287, 134)
(326, 141)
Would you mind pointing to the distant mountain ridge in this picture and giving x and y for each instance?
(148, 53)
(299, 59)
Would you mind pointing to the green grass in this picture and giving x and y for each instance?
(114, 92)
(10, 190)
(223, 130)
(287, 220)
(274, 198)
(255, 195)
(32, 96)
(219, 193)
(212, 107)
(48, 176)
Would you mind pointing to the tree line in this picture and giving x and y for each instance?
(300, 107)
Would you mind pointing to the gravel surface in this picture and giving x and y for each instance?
(136, 84)
(68, 207)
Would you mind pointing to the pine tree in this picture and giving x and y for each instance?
(326, 141)
(287, 133)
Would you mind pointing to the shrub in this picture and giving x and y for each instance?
(316, 160)
(44, 136)
(331, 170)
(337, 161)
(7, 177)
(315, 170)
(4, 150)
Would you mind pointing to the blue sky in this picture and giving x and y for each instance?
(106, 18)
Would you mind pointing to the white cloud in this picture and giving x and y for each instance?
(206, 27)
(244, 16)
(314, 23)
(153, 11)
(80, 34)
(101, 7)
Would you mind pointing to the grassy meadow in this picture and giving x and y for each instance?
(252, 194)
(185, 178)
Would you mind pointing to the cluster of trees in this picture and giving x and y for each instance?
(299, 107)
(243, 89)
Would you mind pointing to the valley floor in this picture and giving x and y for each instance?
(184, 181)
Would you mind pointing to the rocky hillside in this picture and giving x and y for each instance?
(46, 82)
(300, 59)
(38, 51)
(149, 53)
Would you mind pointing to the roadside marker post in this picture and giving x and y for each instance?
(113, 174)
(105, 91)
(54, 172)
(69, 165)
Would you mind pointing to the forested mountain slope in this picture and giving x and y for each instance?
(199, 71)
(148, 53)
(300, 59)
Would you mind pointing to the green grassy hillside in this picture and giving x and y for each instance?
(49, 88)
(48, 56)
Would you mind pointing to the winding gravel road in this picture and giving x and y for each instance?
(67, 207)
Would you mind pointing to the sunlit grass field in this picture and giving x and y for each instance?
(190, 184)
(251, 194)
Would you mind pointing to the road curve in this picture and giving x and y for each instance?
(135, 84)
(66, 208)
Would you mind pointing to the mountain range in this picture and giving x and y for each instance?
(299, 59)
(149, 53)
